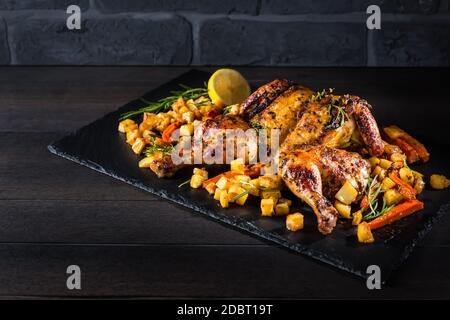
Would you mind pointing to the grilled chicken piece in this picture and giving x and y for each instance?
(284, 111)
(212, 132)
(311, 162)
(318, 173)
(263, 97)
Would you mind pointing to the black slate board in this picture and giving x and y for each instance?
(101, 147)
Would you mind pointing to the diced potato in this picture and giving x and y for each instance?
(380, 172)
(406, 175)
(242, 198)
(343, 209)
(132, 136)
(294, 221)
(146, 162)
(131, 127)
(284, 200)
(282, 209)
(347, 194)
(385, 164)
(197, 181)
(392, 196)
(211, 188)
(187, 130)
(224, 198)
(364, 233)
(387, 183)
(374, 161)
(419, 185)
(217, 194)
(270, 181)
(183, 110)
(235, 188)
(439, 182)
(267, 206)
(271, 194)
(223, 183)
(238, 165)
(138, 145)
(398, 157)
(391, 149)
(357, 218)
(201, 172)
(188, 116)
(124, 124)
(148, 134)
(242, 178)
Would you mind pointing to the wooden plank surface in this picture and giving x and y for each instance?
(128, 243)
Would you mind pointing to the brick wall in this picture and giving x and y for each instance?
(222, 32)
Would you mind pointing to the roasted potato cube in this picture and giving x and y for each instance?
(387, 183)
(284, 200)
(282, 209)
(347, 194)
(294, 221)
(398, 157)
(364, 233)
(188, 116)
(242, 178)
(380, 172)
(242, 197)
(419, 184)
(343, 209)
(267, 206)
(391, 149)
(374, 161)
(439, 182)
(238, 165)
(223, 183)
(201, 172)
(211, 188)
(224, 198)
(124, 124)
(146, 162)
(392, 196)
(357, 218)
(187, 130)
(197, 181)
(138, 145)
(217, 194)
(132, 136)
(131, 127)
(270, 181)
(406, 175)
(385, 164)
(271, 194)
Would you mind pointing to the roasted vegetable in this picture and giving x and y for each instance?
(267, 207)
(282, 209)
(402, 210)
(405, 189)
(294, 221)
(392, 196)
(407, 143)
(439, 182)
(364, 233)
(343, 209)
(357, 218)
(347, 194)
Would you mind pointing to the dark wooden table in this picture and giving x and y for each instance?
(55, 213)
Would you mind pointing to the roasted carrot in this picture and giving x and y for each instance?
(424, 155)
(405, 189)
(227, 174)
(364, 203)
(167, 133)
(411, 153)
(402, 210)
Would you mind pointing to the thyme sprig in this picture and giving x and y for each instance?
(154, 147)
(257, 126)
(164, 104)
(184, 183)
(341, 115)
(321, 94)
(372, 194)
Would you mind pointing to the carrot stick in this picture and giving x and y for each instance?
(411, 153)
(227, 174)
(405, 189)
(167, 133)
(419, 147)
(364, 203)
(402, 210)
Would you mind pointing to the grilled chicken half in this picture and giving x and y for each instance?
(312, 161)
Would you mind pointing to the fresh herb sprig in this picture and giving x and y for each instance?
(341, 115)
(320, 95)
(257, 126)
(372, 194)
(154, 147)
(184, 183)
(164, 104)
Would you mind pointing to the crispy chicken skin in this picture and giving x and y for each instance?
(284, 111)
(263, 97)
(315, 175)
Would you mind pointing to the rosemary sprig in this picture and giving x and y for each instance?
(240, 195)
(320, 95)
(372, 195)
(154, 147)
(164, 104)
(341, 115)
(184, 183)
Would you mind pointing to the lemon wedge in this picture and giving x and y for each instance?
(227, 87)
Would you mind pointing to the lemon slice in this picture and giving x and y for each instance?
(227, 87)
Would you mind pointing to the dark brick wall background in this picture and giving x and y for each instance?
(222, 32)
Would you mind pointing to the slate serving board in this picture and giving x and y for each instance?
(101, 147)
